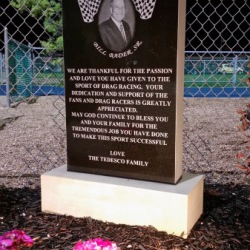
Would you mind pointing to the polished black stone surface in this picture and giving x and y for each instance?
(120, 106)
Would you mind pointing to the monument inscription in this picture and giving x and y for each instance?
(124, 88)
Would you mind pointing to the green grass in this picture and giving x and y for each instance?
(218, 80)
(56, 79)
(205, 80)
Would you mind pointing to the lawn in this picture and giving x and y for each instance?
(205, 80)
(190, 80)
(215, 80)
(55, 78)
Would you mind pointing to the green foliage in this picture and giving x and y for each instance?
(50, 12)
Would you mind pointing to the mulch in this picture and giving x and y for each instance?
(224, 223)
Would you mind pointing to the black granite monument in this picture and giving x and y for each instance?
(124, 87)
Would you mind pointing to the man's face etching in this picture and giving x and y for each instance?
(117, 10)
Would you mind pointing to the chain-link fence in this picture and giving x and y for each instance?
(32, 117)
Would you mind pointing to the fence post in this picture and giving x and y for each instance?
(31, 60)
(1, 68)
(6, 41)
(235, 62)
(31, 67)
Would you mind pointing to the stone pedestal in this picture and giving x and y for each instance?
(171, 208)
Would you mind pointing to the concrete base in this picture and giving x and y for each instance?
(171, 208)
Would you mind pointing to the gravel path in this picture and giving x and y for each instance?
(32, 137)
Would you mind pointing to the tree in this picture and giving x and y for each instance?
(50, 12)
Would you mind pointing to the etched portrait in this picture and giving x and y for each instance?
(116, 24)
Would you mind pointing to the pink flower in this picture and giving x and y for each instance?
(15, 239)
(5, 243)
(95, 244)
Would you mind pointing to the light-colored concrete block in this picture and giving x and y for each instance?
(171, 208)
